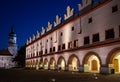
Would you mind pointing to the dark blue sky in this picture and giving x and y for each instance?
(28, 16)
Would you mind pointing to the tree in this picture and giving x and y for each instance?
(20, 58)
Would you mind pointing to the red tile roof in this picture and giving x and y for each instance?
(5, 53)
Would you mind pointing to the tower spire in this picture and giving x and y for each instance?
(12, 29)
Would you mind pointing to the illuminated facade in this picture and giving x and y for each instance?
(88, 41)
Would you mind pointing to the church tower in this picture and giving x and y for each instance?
(12, 43)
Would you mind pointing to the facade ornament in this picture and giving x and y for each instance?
(49, 26)
(38, 34)
(33, 37)
(43, 31)
(30, 40)
(84, 4)
(70, 12)
(58, 21)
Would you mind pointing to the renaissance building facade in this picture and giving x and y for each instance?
(88, 41)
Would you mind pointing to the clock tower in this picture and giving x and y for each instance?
(12, 43)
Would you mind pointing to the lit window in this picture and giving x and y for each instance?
(86, 40)
(75, 43)
(95, 37)
(69, 45)
(114, 9)
(109, 34)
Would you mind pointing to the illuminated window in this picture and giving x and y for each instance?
(109, 34)
(75, 43)
(63, 46)
(95, 38)
(59, 47)
(86, 40)
(90, 20)
(70, 45)
(53, 49)
(114, 9)
(72, 29)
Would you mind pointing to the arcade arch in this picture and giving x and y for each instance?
(91, 63)
(52, 63)
(45, 64)
(73, 63)
(61, 63)
(114, 60)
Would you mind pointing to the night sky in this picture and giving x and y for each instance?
(28, 16)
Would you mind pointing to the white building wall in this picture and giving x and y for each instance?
(102, 19)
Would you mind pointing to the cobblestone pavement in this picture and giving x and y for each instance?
(23, 75)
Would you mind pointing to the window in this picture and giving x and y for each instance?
(47, 40)
(114, 9)
(63, 46)
(50, 50)
(86, 40)
(109, 34)
(61, 34)
(53, 49)
(59, 47)
(69, 45)
(51, 38)
(95, 38)
(72, 29)
(90, 20)
(45, 51)
(75, 43)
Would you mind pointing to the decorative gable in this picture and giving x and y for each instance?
(49, 26)
(43, 31)
(70, 12)
(58, 21)
(84, 4)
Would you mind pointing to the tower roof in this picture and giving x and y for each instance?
(12, 33)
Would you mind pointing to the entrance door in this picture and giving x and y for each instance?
(94, 65)
(116, 65)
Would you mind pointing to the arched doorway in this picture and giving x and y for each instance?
(73, 63)
(41, 63)
(52, 63)
(91, 63)
(61, 63)
(37, 64)
(45, 64)
(114, 60)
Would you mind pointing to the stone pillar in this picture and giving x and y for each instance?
(81, 69)
(104, 69)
